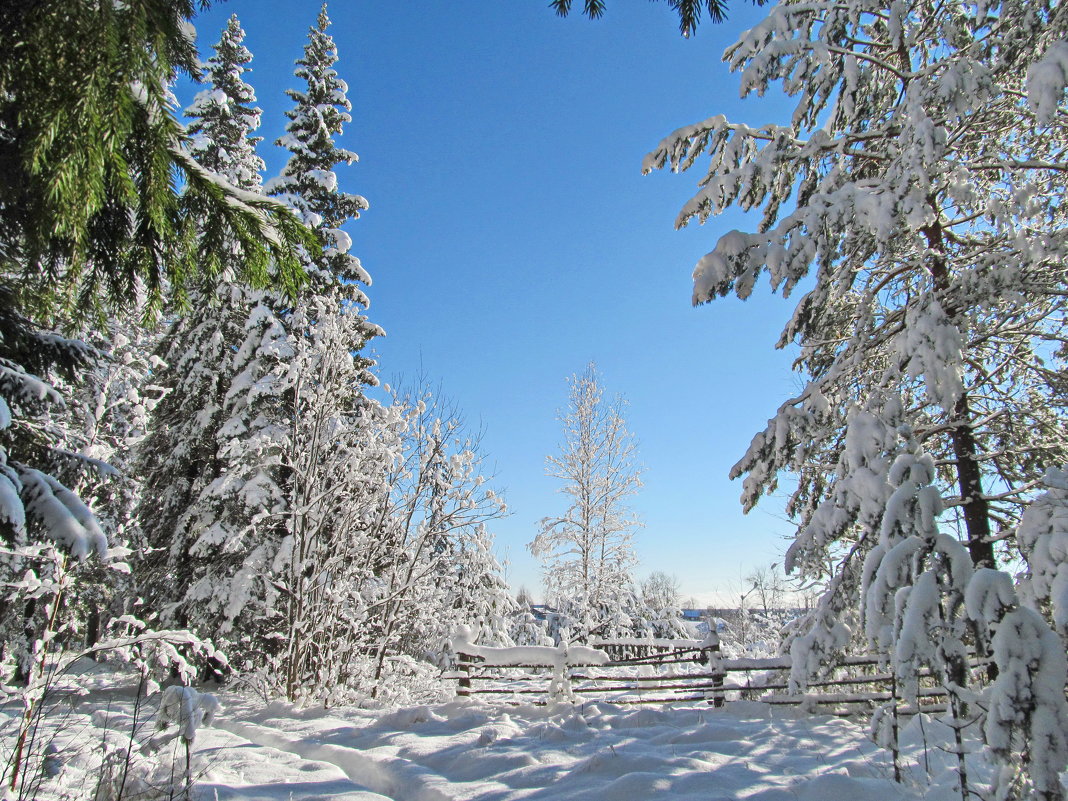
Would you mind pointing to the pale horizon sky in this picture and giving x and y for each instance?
(512, 239)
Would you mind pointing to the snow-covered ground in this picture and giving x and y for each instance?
(462, 751)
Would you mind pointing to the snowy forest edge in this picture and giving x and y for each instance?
(195, 480)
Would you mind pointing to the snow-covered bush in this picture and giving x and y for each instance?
(1027, 720)
(1043, 539)
(183, 710)
(528, 630)
(1026, 727)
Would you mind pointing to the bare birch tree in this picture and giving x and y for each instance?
(586, 551)
(660, 591)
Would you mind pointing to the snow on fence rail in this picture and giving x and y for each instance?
(657, 675)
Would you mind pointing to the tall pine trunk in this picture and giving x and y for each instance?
(962, 437)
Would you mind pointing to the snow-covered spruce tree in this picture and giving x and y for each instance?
(195, 362)
(308, 182)
(325, 512)
(918, 189)
(586, 552)
(224, 115)
(37, 510)
(91, 223)
(89, 214)
(113, 404)
(90, 217)
(427, 525)
(281, 497)
(82, 427)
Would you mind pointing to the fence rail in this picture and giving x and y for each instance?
(535, 675)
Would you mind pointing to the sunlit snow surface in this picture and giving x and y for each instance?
(598, 752)
(463, 750)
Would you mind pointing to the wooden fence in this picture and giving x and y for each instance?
(673, 673)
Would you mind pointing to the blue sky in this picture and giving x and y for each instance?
(512, 239)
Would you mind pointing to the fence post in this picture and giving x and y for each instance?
(463, 665)
(710, 650)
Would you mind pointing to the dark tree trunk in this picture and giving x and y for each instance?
(970, 482)
(92, 629)
(962, 437)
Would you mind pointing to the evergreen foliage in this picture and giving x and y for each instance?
(223, 116)
(44, 460)
(91, 219)
(90, 209)
(689, 11)
(184, 454)
(109, 416)
(1043, 540)
(33, 443)
(308, 182)
(330, 541)
(916, 194)
(316, 534)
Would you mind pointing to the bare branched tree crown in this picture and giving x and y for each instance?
(586, 551)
